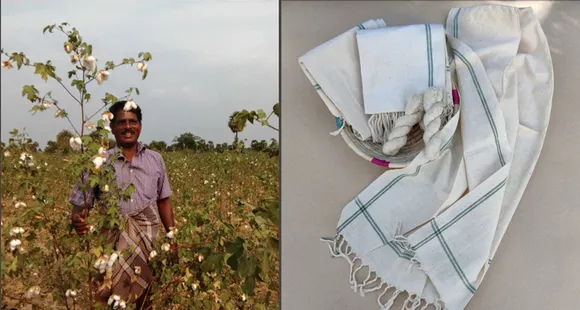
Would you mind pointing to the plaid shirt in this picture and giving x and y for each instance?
(147, 173)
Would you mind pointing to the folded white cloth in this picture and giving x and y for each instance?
(333, 68)
(399, 62)
(432, 229)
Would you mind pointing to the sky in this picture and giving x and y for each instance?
(209, 59)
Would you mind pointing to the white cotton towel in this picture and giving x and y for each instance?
(432, 228)
(333, 69)
(398, 62)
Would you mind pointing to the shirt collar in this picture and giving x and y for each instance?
(140, 148)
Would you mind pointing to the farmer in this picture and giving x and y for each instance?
(145, 169)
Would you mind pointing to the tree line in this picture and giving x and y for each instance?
(185, 141)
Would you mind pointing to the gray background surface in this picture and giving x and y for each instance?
(537, 264)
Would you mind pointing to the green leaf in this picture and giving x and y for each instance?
(71, 73)
(19, 58)
(146, 56)
(137, 90)
(276, 109)
(93, 180)
(145, 74)
(233, 262)
(79, 84)
(30, 92)
(40, 69)
(235, 247)
(249, 285)
(49, 28)
(264, 123)
(261, 113)
(110, 98)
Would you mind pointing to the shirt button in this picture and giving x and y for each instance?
(131, 170)
(131, 199)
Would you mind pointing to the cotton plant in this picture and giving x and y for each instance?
(62, 248)
(215, 264)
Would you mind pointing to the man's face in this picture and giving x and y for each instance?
(126, 128)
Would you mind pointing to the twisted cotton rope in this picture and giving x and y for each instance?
(398, 136)
(432, 107)
(435, 107)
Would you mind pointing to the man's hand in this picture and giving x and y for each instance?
(78, 220)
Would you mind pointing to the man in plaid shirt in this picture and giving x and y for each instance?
(145, 169)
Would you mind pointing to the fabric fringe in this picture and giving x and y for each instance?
(339, 248)
(381, 125)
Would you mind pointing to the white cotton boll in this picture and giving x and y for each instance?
(112, 259)
(102, 76)
(25, 156)
(153, 254)
(14, 244)
(75, 143)
(141, 66)
(6, 154)
(108, 128)
(112, 299)
(16, 230)
(19, 204)
(90, 63)
(107, 116)
(166, 247)
(74, 59)
(45, 105)
(98, 161)
(130, 104)
(35, 290)
(102, 150)
(106, 188)
(170, 235)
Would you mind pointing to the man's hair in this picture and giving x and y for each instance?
(119, 106)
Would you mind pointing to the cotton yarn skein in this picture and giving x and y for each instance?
(435, 107)
(398, 136)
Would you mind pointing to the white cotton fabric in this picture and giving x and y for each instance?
(398, 62)
(432, 228)
(333, 68)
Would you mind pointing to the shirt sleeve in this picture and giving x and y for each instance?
(163, 187)
(77, 196)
